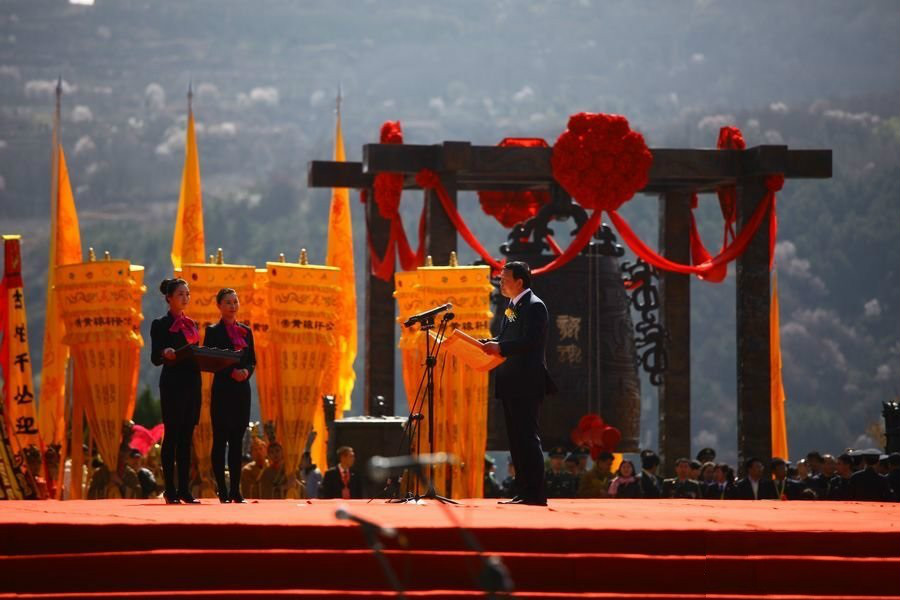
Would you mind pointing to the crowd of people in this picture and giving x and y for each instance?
(863, 475)
(263, 474)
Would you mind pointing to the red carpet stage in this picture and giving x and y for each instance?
(598, 548)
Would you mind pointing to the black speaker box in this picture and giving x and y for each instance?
(368, 436)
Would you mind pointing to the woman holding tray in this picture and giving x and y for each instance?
(230, 403)
(179, 389)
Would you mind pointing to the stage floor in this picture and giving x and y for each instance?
(572, 546)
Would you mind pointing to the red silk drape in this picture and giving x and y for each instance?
(430, 180)
(709, 265)
(398, 244)
(728, 254)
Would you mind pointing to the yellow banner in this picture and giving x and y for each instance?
(461, 393)
(340, 377)
(205, 281)
(18, 385)
(777, 399)
(65, 248)
(97, 301)
(187, 243)
(303, 316)
(265, 362)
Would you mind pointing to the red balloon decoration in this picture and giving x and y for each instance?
(610, 437)
(596, 435)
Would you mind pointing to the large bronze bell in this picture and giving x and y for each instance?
(590, 344)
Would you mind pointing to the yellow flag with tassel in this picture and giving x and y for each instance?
(188, 243)
(778, 400)
(65, 249)
(340, 254)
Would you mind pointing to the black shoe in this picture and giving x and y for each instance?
(171, 499)
(535, 501)
(237, 499)
(188, 499)
(223, 498)
(514, 500)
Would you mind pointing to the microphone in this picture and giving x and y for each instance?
(343, 514)
(381, 467)
(427, 315)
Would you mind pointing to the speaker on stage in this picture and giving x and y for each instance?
(368, 436)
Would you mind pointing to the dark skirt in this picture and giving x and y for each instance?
(230, 404)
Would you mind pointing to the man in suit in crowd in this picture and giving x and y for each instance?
(754, 486)
(522, 380)
(559, 482)
(894, 473)
(785, 487)
(839, 486)
(681, 486)
(341, 481)
(651, 483)
(868, 485)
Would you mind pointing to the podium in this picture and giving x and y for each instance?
(469, 350)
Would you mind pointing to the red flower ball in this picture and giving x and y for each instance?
(511, 208)
(600, 161)
(389, 186)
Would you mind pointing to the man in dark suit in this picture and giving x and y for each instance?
(785, 487)
(754, 486)
(894, 474)
(868, 485)
(839, 486)
(522, 380)
(651, 483)
(341, 481)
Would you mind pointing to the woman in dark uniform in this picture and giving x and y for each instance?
(179, 389)
(230, 403)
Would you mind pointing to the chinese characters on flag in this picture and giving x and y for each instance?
(15, 358)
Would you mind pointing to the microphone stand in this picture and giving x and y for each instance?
(414, 431)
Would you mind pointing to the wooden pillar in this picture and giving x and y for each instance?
(675, 314)
(753, 360)
(440, 234)
(380, 324)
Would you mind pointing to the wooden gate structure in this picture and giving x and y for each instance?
(675, 176)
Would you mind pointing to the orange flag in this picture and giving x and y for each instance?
(65, 248)
(187, 244)
(340, 254)
(777, 400)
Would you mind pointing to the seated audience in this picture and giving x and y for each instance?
(681, 486)
(595, 483)
(754, 486)
(341, 481)
(626, 484)
(559, 482)
(651, 483)
(722, 485)
(867, 484)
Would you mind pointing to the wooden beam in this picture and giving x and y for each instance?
(531, 165)
(753, 298)
(440, 233)
(380, 326)
(328, 174)
(495, 168)
(675, 313)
